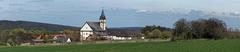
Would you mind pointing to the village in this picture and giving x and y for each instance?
(90, 31)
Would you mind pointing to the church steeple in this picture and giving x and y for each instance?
(102, 20)
(102, 17)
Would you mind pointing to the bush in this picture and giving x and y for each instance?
(166, 35)
(154, 34)
(158, 34)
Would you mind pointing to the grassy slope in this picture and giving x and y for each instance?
(232, 45)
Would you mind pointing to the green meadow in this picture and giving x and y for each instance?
(226, 45)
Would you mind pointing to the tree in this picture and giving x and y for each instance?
(166, 35)
(20, 35)
(197, 28)
(4, 35)
(182, 29)
(215, 29)
(72, 34)
(154, 34)
(147, 29)
(37, 31)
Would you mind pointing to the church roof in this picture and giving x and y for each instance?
(102, 17)
(95, 26)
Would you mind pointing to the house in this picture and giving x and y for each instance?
(59, 38)
(94, 28)
(50, 38)
(123, 34)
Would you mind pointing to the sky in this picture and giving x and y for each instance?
(120, 13)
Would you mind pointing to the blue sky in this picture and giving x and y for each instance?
(120, 13)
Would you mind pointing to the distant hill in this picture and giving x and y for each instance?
(8, 25)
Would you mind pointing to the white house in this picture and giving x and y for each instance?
(94, 28)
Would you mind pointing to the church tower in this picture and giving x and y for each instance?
(102, 20)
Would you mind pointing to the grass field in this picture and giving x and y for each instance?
(231, 45)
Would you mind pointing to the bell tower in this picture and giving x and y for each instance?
(102, 20)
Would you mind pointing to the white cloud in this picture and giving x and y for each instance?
(141, 11)
(41, 0)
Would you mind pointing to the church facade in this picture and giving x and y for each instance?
(91, 28)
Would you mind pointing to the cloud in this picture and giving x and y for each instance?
(235, 14)
(42, 1)
(141, 11)
(17, 4)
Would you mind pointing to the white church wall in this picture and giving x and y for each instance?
(85, 34)
(86, 27)
(86, 31)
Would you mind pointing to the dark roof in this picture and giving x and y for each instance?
(102, 17)
(95, 26)
(123, 32)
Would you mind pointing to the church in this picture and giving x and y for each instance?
(91, 28)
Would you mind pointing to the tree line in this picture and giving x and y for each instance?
(211, 28)
(183, 29)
